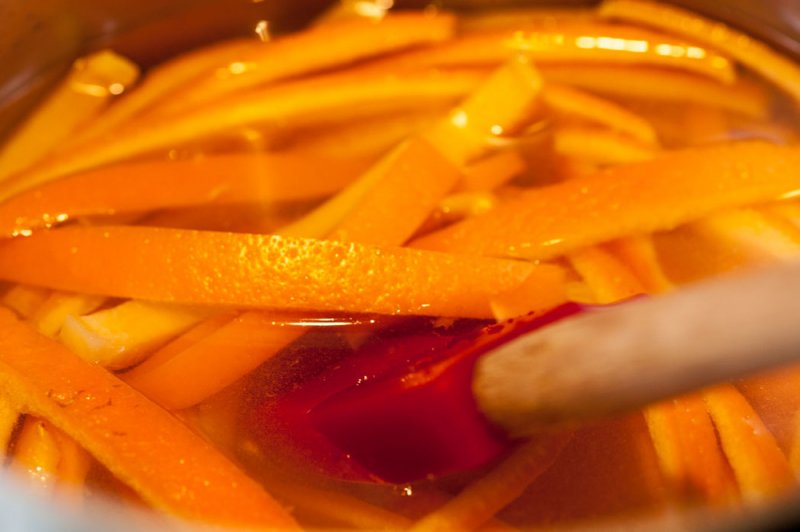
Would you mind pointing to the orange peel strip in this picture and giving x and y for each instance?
(690, 457)
(87, 89)
(51, 314)
(319, 48)
(410, 180)
(681, 430)
(249, 270)
(73, 468)
(245, 63)
(572, 102)
(658, 84)
(546, 287)
(753, 232)
(513, 18)
(371, 136)
(364, 212)
(788, 211)
(640, 255)
(772, 65)
(607, 277)
(143, 186)
(483, 498)
(702, 124)
(142, 445)
(24, 300)
(794, 452)
(252, 336)
(75, 462)
(726, 241)
(492, 171)
(121, 336)
(36, 452)
(197, 333)
(761, 468)
(412, 185)
(626, 200)
(162, 81)
(325, 97)
(328, 505)
(504, 103)
(775, 398)
(423, 174)
(8, 422)
(595, 43)
(600, 146)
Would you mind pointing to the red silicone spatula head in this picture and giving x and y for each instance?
(418, 418)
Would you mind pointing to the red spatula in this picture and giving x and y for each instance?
(460, 402)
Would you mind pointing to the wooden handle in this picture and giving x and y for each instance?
(622, 358)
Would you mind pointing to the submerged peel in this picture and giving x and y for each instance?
(168, 465)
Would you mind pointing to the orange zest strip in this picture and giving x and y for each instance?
(24, 300)
(249, 270)
(512, 18)
(483, 498)
(321, 47)
(139, 187)
(505, 103)
(122, 336)
(331, 505)
(794, 451)
(754, 54)
(492, 171)
(788, 211)
(761, 468)
(326, 97)
(544, 289)
(756, 235)
(402, 178)
(575, 103)
(371, 136)
(681, 430)
(36, 452)
(594, 43)
(724, 242)
(246, 62)
(8, 422)
(608, 278)
(600, 146)
(794, 454)
(702, 124)
(51, 314)
(656, 84)
(320, 222)
(775, 398)
(186, 340)
(161, 81)
(75, 462)
(422, 174)
(689, 454)
(462, 205)
(640, 255)
(252, 336)
(142, 445)
(418, 178)
(410, 180)
(626, 200)
(93, 81)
